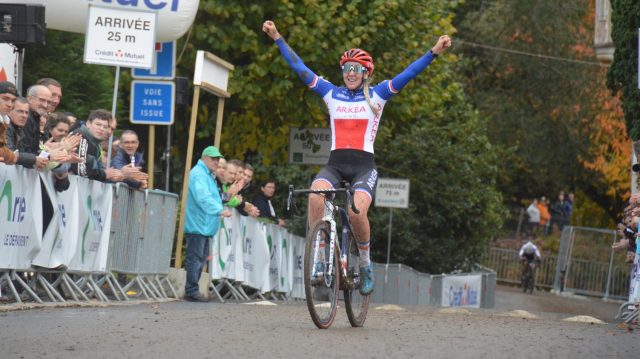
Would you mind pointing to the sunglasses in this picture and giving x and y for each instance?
(357, 68)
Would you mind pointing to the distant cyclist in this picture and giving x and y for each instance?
(529, 253)
(354, 111)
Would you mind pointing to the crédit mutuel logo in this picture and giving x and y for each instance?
(141, 4)
(16, 206)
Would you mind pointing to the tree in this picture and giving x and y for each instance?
(268, 99)
(623, 73)
(549, 113)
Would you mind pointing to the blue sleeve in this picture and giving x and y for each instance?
(318, 85)
(410, 72)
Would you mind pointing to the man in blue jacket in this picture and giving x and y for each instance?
(202, 218)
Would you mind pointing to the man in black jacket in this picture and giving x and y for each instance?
(96, 129)
(38, 97)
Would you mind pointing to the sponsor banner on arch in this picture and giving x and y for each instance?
(20, 216)
(174, 16)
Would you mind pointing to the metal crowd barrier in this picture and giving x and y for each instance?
(401, 284)
(142, 234)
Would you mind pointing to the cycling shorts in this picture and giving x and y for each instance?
(354, 166)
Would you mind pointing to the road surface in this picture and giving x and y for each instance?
(521, 326)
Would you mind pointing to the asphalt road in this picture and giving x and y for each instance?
(521, 326)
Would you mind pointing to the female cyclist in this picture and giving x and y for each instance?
(354, 112)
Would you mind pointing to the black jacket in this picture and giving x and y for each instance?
(14, 134)
(262, 203)
(30, 134)
(89, 150)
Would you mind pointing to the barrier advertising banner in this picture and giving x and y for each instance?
(255, 253)
(461, 291)
(94, 218)
(234, 263)
(286, 261)
(634, 284)
(52, 232)
(297, 290)
(273, 243)
(20, 216)
(221, 246)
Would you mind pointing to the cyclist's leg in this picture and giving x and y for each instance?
(364, 186)
(327, 178)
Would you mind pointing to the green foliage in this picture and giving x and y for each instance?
(542, 111)
(623, 73)
(84, 87)
(450, 217)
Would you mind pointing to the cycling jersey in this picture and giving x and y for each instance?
(353, 124)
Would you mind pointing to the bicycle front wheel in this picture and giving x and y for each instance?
(355, 303)
(321, 281)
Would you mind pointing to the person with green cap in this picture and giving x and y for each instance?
(202, 219)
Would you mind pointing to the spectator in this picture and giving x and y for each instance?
(128, 159)
(534, 217)
(543, 207)
(558, 215)
(56, 92)
(73, 119)
(569, 208)
(93, 131)
(19, 116)
(38, 97)
(8, 94)
(202, 212)
(262, 200)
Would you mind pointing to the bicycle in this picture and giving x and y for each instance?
(528, 277)
(331, 262)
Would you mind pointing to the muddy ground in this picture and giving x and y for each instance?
(520, 326)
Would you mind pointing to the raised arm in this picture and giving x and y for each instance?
(401, 80)
(294, 61)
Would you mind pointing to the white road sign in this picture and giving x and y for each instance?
(309, 146)
(392, 193)
(120, 37)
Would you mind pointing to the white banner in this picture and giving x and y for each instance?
(95, 201)
(234, 263)
(51, 234)
(286, 261)
(221, 246)
(20, 216)
(273, 242)
(461, 291)
(174, 16)
(297, 290)
(634, 285)
(255, 253)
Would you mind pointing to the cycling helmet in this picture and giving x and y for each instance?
(528, 248)
(360, 56)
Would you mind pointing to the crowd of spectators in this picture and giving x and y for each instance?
(34, 135)
(546, 218)
(628, 228)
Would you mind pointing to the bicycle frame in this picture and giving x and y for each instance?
(329, 216)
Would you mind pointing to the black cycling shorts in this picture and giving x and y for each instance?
(353, 166)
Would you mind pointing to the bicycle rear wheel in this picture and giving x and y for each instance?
(320, 284)
(355, 303)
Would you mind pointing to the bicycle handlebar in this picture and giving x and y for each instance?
(347, 190)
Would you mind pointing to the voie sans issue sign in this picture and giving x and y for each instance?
(152, 102)
(120, 37)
